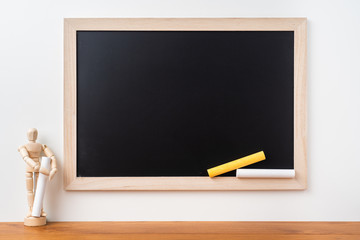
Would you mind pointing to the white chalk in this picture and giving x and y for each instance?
(265, 173)
(40, 188)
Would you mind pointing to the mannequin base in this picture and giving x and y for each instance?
(34, 221)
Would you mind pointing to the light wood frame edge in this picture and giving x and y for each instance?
(298, 25)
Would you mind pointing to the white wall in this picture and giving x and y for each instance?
(31, 95)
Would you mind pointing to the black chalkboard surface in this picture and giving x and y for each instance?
(175, 103)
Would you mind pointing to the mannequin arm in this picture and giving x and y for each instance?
(25, 155)
(51, 155)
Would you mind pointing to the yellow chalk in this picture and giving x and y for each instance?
(239, 163)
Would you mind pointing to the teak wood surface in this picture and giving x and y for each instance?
(298, 25)
(185, 230)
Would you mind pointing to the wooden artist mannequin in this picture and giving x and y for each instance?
(31, 153)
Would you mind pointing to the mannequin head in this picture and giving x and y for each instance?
(32, 134)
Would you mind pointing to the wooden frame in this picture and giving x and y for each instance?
(298, 25)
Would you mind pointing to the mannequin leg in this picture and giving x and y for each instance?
(30, 191)
(43, 213)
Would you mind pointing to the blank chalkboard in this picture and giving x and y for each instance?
(152, 103)
(175, 103)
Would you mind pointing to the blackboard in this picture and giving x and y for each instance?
(151, 104)
(175, 103)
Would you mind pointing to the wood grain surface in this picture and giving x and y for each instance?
(184, 230)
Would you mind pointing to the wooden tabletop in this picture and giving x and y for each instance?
(184, 230)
